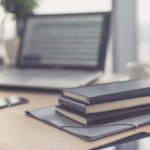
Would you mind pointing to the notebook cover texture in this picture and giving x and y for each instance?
(108, 92)
(90, 133)
(106, 117)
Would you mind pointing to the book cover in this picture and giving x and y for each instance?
(107, 92)
(89, 133)
(103, 107)
(80, 107)
(101, 118)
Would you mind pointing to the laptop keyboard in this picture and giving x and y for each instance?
(42, 77)
(56, 74)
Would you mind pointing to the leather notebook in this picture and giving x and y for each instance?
(105, 117)
(90, 133)
(109, 92)
(104, 107)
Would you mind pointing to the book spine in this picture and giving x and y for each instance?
(72, 104)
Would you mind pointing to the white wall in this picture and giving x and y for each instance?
(57, 6)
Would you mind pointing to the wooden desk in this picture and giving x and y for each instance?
(19, 132)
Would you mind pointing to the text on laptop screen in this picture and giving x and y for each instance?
(69, 40)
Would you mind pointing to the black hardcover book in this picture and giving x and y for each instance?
(103, 107)
(101, 118)
(80, 107)
(103, 93)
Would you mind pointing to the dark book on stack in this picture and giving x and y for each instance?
(103, 107)
(114, 91)
(103, 102)
(104, 117)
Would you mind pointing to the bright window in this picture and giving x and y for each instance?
(143, 28)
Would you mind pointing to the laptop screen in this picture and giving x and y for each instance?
(67, 40)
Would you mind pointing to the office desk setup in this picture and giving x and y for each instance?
(18, 131)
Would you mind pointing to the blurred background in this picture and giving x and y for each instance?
(130, 30)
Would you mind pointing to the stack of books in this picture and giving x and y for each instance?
(105, 103)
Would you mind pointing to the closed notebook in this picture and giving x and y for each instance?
(108, 92)
(49, 116)
(103, 107)
(106, 117)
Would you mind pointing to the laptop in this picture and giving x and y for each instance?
(59, 51)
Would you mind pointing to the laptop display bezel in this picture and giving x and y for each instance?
(102, 45)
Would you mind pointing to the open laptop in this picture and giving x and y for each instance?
(59, 51)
